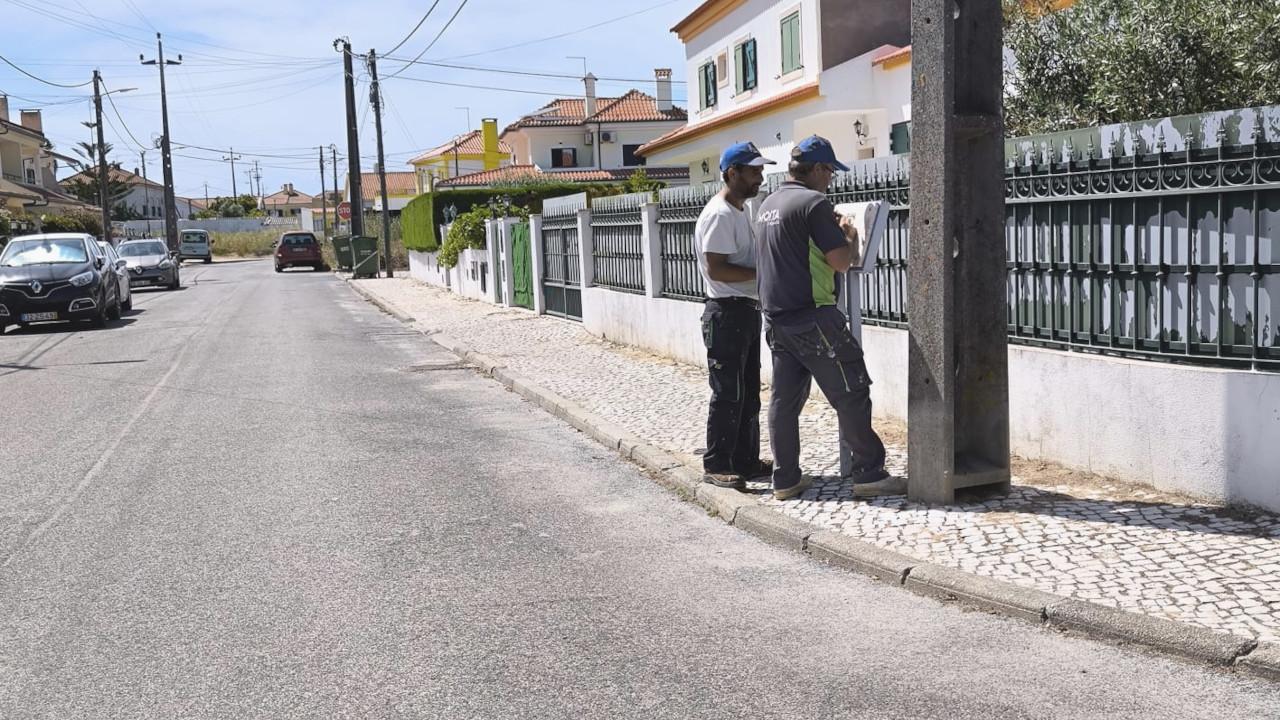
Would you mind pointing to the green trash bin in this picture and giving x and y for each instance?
(342, 251)
(364, 256)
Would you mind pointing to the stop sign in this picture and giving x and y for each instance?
(344, 210)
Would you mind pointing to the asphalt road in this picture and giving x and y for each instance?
(259, 497)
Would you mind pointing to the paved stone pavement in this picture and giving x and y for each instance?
(1130, 548)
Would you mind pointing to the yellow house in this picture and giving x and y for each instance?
(27, 168)
(477, 151)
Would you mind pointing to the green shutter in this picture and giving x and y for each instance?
(749, 63)
(791, 43)
(739, 68)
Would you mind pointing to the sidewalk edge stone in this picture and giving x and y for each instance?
(985, 593)
(685, 479)
(1263, 662)
(1165, 636)
(848, 553)
(773, 527)
(381, 304)
(724, 501)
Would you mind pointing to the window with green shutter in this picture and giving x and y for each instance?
(791, 43)
(744, 65)
(707, 83)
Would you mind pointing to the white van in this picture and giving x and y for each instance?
(195, 245)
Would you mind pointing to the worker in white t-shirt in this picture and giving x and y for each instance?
(731, 323)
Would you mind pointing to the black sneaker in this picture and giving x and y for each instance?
(725, 480)
(759, 470)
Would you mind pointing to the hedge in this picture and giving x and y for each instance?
(418, 225)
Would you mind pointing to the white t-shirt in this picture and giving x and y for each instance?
(724, 229)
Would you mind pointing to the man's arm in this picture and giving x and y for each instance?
(827, 234)
(721, 270)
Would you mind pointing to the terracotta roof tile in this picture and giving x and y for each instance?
(297, 198)
(398, 184)
(470, 144)
(890, 54)
(636, 106)
(522, 172)
(112, 173)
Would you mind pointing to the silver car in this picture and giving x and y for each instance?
(150, 264)
(121, 268)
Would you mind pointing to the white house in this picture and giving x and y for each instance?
(591, 133)
(776, 71)
(145, 199)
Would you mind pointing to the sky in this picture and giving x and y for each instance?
(264, 78)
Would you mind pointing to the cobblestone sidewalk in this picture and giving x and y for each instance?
(1129, 548)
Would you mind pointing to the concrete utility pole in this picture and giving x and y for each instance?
(958, 386)
(343, 46)
(146, 190)
(232, 157)
(166, 159)
(375, 99)
(324, 201)
(257, 175)
(104, 198)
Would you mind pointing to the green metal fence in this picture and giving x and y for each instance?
(678, 215)
(1126, 247)
(617, 236)
(561, 262)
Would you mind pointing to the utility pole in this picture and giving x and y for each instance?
(257, 175)
(206, 196)
(146, 191)
(375, 98)
(233, 157)
(343, 45)
(248, 175)
(166, 159)
(324, 201)
(103, 197)
(337, 194)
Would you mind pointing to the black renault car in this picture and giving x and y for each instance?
(56, 277)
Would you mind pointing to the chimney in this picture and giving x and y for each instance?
(662, 76)
(590, 82)
(31, 121)
(492, 155)
(4, 108)
(288, 188)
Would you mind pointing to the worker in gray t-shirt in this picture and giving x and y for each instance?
(800, 250)
(731, 323)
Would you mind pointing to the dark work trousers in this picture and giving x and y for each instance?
(731, 332)
(819, 347)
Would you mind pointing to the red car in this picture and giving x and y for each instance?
(295, 249)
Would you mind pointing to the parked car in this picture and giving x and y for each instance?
(195, 245)
(294, 249)
(56, 277)
(150, 263)
(121, 268)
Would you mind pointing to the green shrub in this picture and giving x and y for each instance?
(465, 232)
(418, 225)
(78, 221)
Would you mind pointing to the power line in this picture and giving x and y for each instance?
(433, 40)
(567, 34)
(111, 100)
(46, 82)
(415, 28)
(530, 73)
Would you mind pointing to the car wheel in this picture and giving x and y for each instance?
(128, 304)
(113, 312)
(208, 260)
(279, 269)
(99, 318)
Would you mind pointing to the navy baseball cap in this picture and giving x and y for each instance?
(743, 153)
(815, 149)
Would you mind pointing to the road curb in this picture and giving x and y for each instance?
(1263, 662)
(849, 553)
(381, 304)
(984, 593)
(1166, 637)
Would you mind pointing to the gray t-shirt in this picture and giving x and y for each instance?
(796, 228)
(726, 230)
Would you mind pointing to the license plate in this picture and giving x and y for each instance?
(299, 249)
(139, 282)
(38, 317)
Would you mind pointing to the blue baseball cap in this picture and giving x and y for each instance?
(743, 153)
(815, 149)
